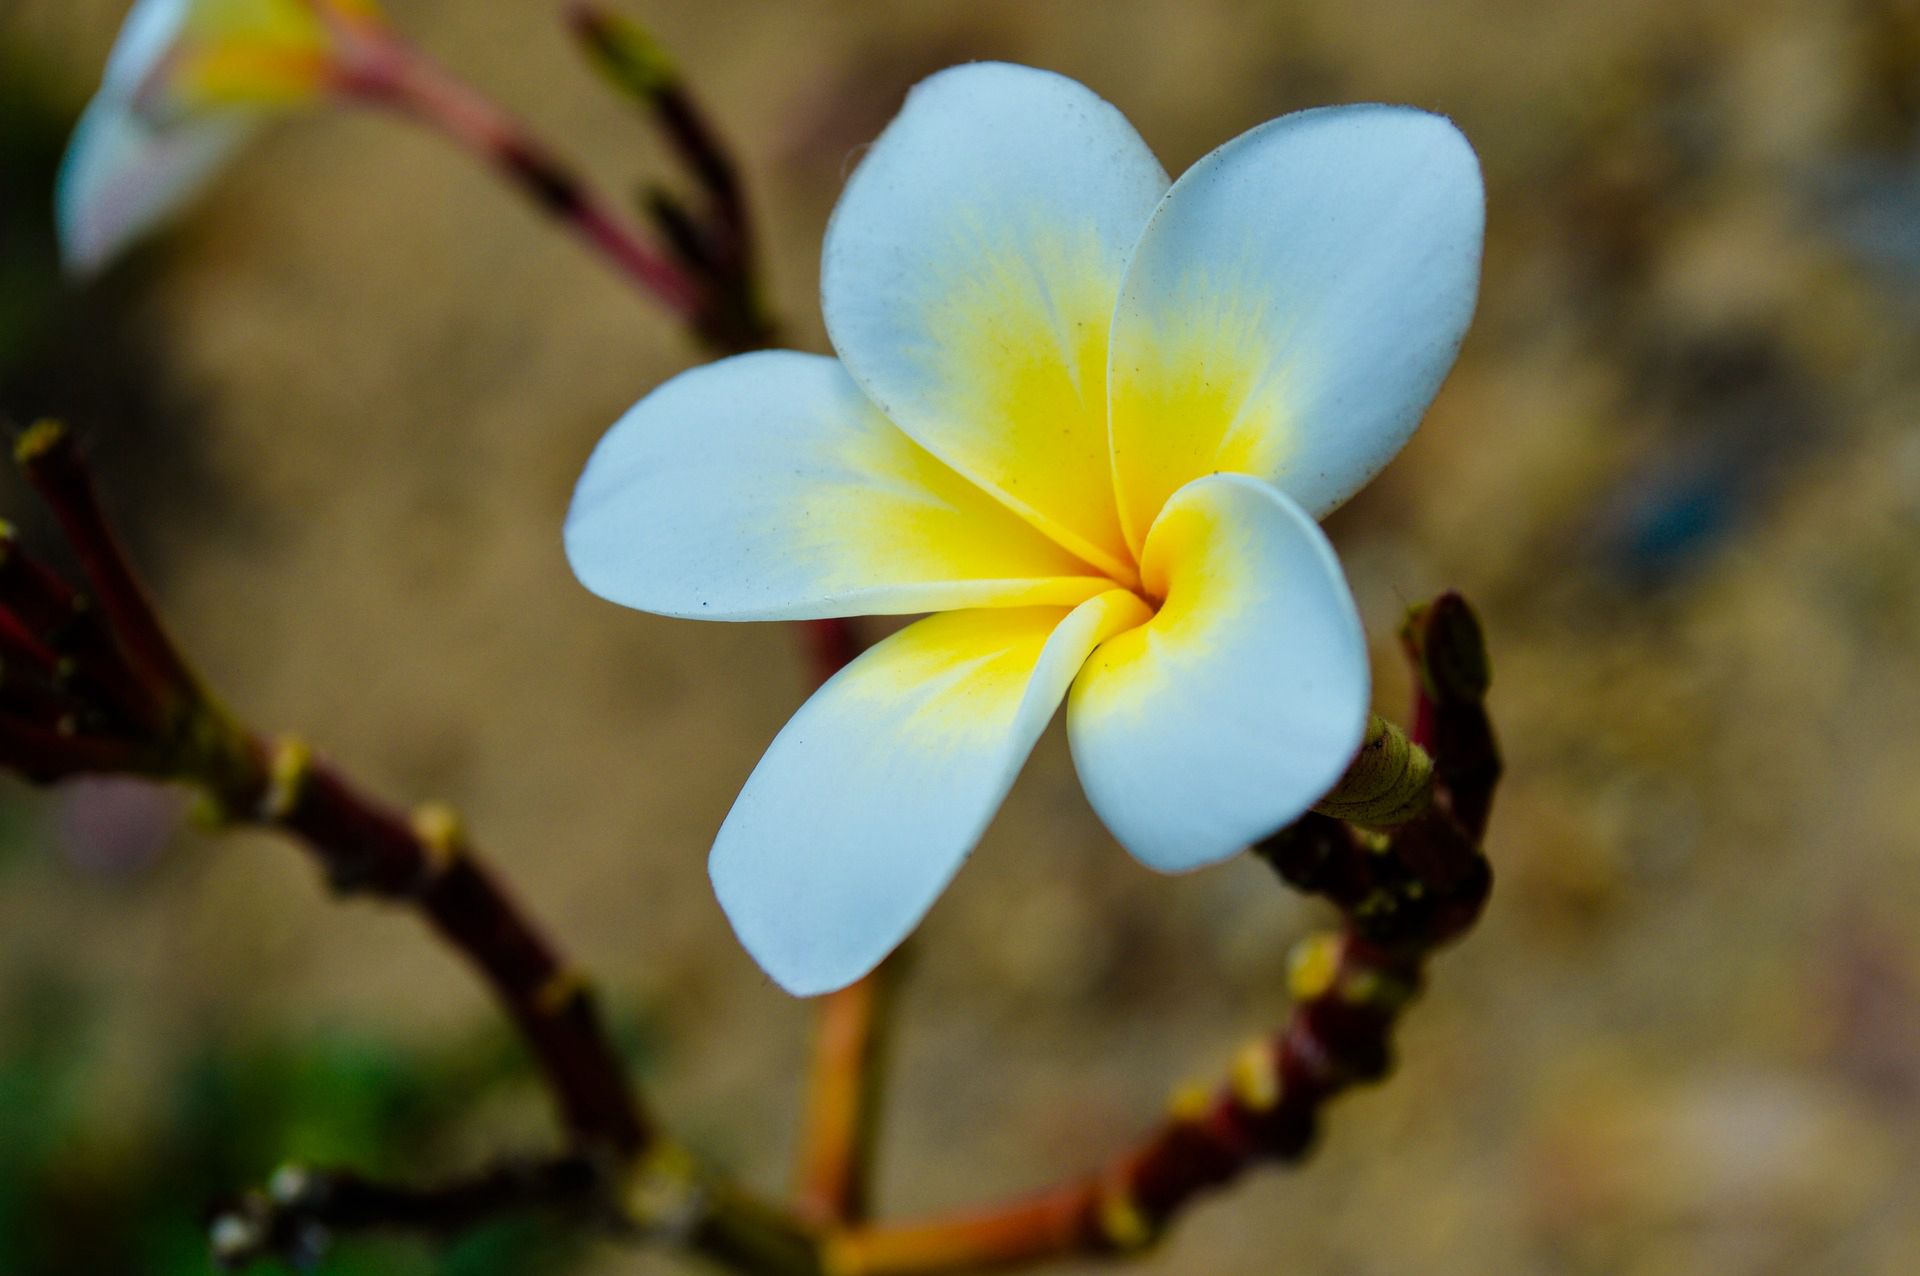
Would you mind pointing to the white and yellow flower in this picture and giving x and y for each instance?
(1087, 416)
(187, 82)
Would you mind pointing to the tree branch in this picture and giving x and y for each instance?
(424, 862)
(298, 1213)
(716, 242)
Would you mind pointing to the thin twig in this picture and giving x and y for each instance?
(300, 1210)
(157, 679)
(383, 69)
(635, 63)
(426, 862)
(714, 242)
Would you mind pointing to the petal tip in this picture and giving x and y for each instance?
(784, 951)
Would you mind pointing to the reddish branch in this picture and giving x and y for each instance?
(108, 693)
(703, 274)
(158, 720)
(711, 237)
(425, 862)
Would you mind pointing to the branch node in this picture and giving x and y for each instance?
(1449, 649)
(1123, 1224)
(438, 827)
(287, 773)
(1314, 966)
(663, 1194)
(1389, 781)
(36, 441)
(1255, 1077)
(1190, 1103)
(1378, 990)
(623, 51)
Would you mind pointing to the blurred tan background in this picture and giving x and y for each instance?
(1677, 468)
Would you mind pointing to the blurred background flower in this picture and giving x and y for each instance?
(340, 409)
(186, 82)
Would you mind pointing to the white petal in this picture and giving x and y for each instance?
(186, 83)
(150, 28)
(122, 176)
(1243, 700)
(969, 277)
(864, 807)
(768, 487)
(1294, 305)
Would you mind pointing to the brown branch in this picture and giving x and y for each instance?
(364, 846)
(616, 1168)
(425, 862)
(48, 457)
(705, 276)
(124, 651)
(635, 64)
(1403, 896)
(379, 67)
(296, 1216)
(717, 244)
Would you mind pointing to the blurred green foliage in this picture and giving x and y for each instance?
(83, 1194)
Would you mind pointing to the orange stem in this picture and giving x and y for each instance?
(842, 1102)
(1026, 1231)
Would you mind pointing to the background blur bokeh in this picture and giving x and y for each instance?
(340, 409)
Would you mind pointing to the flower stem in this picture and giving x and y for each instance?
(385, 70)
(842, 1108)
(712, 239)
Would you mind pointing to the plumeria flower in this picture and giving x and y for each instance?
(1086, 416)
(187, 82)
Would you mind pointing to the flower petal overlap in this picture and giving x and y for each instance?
(1241, 701)
(1293, 306)
(968, 281)
(768, 487)
(870, 798)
